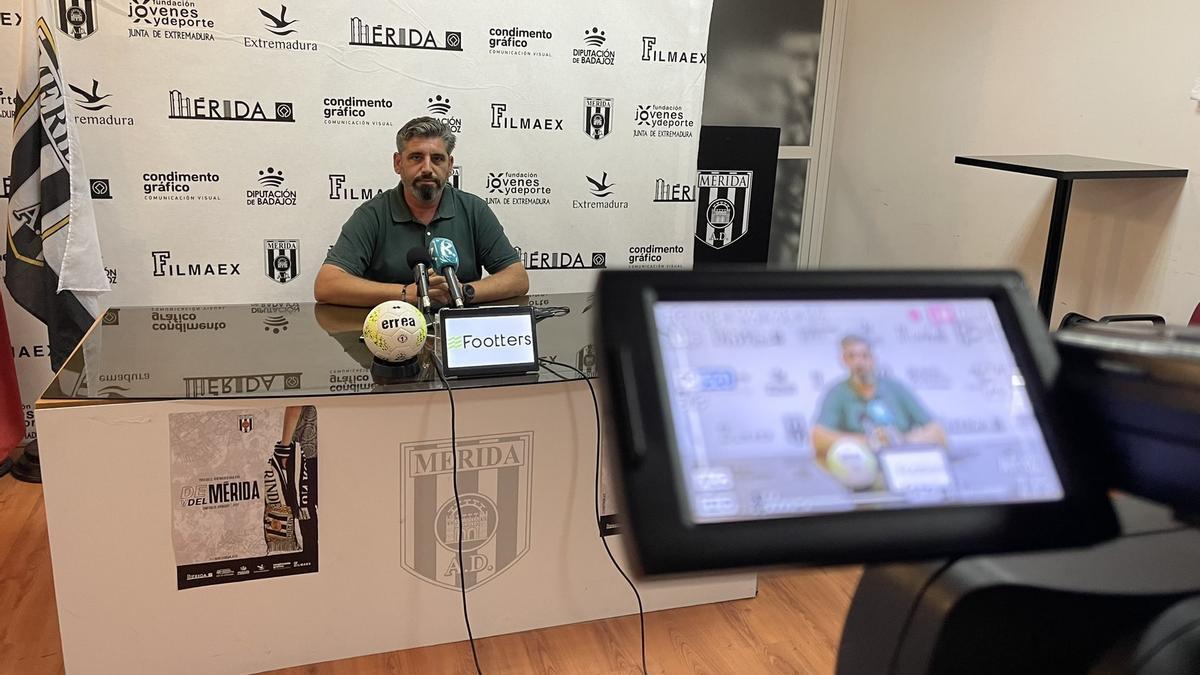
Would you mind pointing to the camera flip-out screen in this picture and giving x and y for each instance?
(837, 416)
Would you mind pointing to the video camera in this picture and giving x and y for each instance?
(778, 418)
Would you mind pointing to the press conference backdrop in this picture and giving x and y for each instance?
(227, 143)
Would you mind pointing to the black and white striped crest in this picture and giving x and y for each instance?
(494, 475)
(77, 18)
(283, 264)
(722, 206)
(597, 117)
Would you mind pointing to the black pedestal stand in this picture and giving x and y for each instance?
(387, 372)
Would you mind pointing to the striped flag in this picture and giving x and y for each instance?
(54, 268)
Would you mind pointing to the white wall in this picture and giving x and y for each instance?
(925, 80)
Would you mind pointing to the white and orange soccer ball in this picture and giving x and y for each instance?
(394, 331)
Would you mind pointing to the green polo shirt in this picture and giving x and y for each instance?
(375, 241)
(844, 410)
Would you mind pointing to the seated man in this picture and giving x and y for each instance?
(874, 410)
(369, 263)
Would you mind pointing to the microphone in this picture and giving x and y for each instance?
(445, 261)
(421, 263)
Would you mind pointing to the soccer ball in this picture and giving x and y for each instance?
(394, 331)
(853, 464)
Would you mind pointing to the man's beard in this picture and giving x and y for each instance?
(866, 378)
(427, 191)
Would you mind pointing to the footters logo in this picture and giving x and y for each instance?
(180, 186)
(270, 190)
(236, 110)
(563, 260)
(363, 34)
(515, 188)
(593, 51)
(163, 267)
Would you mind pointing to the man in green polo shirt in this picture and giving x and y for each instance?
(369, 262)
(874, 410)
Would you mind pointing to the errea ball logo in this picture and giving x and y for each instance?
(401, 322)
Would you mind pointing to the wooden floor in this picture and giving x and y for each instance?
(793, 626)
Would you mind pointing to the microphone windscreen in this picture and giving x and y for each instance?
(418, 255)
(443, 252)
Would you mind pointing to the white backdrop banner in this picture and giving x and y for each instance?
(221, 138)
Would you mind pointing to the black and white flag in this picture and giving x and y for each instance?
(53, 268)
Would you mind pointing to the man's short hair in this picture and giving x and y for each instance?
(425, 127)
(855, 340)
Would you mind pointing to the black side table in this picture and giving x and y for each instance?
(1065, 169)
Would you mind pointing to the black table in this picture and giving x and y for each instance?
(1065, 169)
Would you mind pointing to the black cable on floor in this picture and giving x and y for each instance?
(546, 363)
(462, 581)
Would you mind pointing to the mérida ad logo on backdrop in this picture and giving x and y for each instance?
(597, 117)
(283, 260)
(226, 109)
(76, 18)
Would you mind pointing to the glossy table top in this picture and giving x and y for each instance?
(278, 350)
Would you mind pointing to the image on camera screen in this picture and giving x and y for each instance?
(784, 408)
